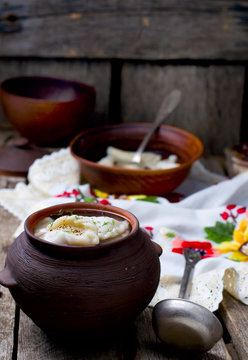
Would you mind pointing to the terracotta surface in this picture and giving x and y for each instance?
(47, 111)
(82, 291)
(17, 156)
(90, 146)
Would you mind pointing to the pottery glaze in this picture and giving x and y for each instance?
(167, 140)
(82, 291)
(47, 111)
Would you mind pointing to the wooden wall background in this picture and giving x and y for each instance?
(134, 52)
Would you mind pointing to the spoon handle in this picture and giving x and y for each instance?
(168, 105)
(192, 257)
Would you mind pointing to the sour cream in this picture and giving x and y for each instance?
(149, 160)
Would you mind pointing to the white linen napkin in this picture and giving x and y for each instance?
(209, 219)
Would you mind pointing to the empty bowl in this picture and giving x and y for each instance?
(47, 111)
(90, 146)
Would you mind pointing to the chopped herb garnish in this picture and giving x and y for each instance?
(89, 199)
(153, 199)
(105, 223)
(60, 213)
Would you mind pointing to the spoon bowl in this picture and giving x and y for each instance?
(182, 324)
(185, 325)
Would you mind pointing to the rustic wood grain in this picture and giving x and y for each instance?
(7, 305)
(35, 344)
(234, 315)
(125, 29)
(210, 106)
(138, 343)
(96, 74)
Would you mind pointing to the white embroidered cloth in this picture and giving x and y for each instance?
(170, 223)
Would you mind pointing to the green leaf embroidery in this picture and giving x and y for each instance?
(170, 234)
(89, 199)
(220, 232)
(153, 199)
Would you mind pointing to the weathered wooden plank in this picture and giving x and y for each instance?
(7, 306)
(234, 315)
(7, 319)
(210, 106)
(35, 344)
(139, 344)
(125, 29)
(96, 74)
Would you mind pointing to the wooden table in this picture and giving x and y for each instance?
(21, 339)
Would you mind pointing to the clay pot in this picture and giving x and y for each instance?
(82, 291)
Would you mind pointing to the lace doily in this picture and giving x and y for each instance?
(59, 167)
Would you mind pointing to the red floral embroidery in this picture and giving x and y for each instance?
(149, 230)
(205, 248)
(92, 192)
(65, 194)
(230, 214)
(77, 196)
(75, 192)
(224, 215)
(230, 207)
(241, 210)
(104, 202)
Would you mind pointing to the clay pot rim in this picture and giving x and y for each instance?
(89, 90)
(116, 169)
(93, 207)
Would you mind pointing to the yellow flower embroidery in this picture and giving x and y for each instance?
(240, 237)
(101, 194)
(136, 197)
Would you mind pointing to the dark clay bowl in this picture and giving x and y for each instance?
(241, 151)
(90, 146)
(47, 111)
(82, 291)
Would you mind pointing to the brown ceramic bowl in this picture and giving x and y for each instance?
(241, 151)
(47, 111)
(90, 146)
(82, 291)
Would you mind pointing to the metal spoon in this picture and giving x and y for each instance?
(183, 324)
(166, 108)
